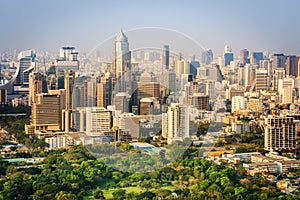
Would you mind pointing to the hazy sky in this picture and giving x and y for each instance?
(258, 25)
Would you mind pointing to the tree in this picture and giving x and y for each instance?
(146, 195)
(65, 196)
(98, 194)
(241, 149)
(119, 194)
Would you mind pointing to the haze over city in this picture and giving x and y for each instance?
(256, 25)
(148, 100)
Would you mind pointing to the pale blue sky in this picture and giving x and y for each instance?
(258, 25)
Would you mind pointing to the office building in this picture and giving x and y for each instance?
(244, 56)
(279, 73)
(199, 101)
(149, 106)
(171, 81)
(69, 79)
(46, 113)
(285, 87)
(98, 120)
(104, 91)
(207, 57)
(26, 65)
(35, 86)
(291, 66)
(68, 60)
(256, 57)
(147, 87)
(182, 66)
(166, 57)
(278, 61)
(261, 79)
(122, 55)
(91, 84)
(194, 65)
(227, 55)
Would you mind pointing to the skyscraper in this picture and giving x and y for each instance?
(182, 66)
(285, 87)
(207, 57)
(104, 91)
(147, 87)
(227, 55)
(91, 91)
(175, 122)
(244, 56)
(171, 81)
(278, 61)
(67, 112)
(261, 79)
(35, 86)
(291, 66)
(166, 56)
(280, 133)
(68, 60)
(256, 57)
(194, 65)
(27, 63)
(122, 55)
(278, 74)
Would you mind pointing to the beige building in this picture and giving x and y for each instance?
(280, 133)
(46, 112)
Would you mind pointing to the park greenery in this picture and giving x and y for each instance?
(76, 174)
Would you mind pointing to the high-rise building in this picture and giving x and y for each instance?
(171, 81)
(35, 86)
(280, 133)
(238, 103)
(291, 66)
(199, 101)
(244, 56)
(46, 113)
(249, 74)
(278, 61)
(104, 91)
(122, 55)
(147, 87)
(285, 87)
(26, 66)
(261, 79)
(175, 122)
(256, 57)
(241, 76)
(194, 65)
(67, 112)
(91, 91)
(207, 57)
(166, 56)
(227, 55)
(182, 66)
(278, 74)
(68, 60)
(98, 120)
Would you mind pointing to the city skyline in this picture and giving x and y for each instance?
(255, 25)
